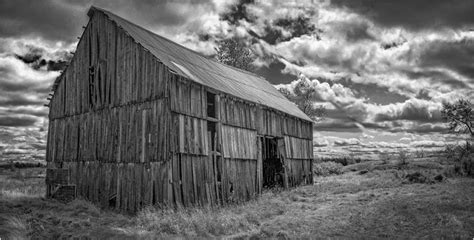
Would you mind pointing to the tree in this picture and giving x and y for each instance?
(459, 116)
(234, 52)
(303, 97)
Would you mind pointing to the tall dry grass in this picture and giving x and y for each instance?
(370, 200)
(13, 227)
(210, 222)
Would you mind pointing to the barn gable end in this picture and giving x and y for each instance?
(135, 124)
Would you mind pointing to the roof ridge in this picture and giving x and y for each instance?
(94, 8)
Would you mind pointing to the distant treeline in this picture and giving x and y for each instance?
(344, 160)
(8, 165)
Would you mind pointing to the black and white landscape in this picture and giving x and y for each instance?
(389, 86)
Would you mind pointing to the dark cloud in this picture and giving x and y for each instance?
(38, 146)
(390, 45)
(273, 73)
(17, 121)
(272, 35)
(62, 20)
(156, 13)
(58, 65)
(238, 12)
(37, 62)
(457, 56)
(298, 26)
(273, 31)
(414, 14)
(320, 143)
(38, 112)
(14, 86)
(354, 31)
(423, 94)
(17, 151)
(335, 125)
(373, 92)
(48, 19)
(436, 76)
(15, 99)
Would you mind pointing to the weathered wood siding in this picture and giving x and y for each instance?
(134, 133)
(187, 97)
(110, 120)
(190, 135)
(239, 143)
(239, 113)
(299, 154)
(297, 134)
(108, 70)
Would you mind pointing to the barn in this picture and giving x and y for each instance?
(136, 119)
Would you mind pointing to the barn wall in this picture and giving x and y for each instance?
(190, 137)
(239, 113)
(186, 97)
(240, 122)
(299, 154)
(297, 134)
(239, 143)
(110, 120)
(132, 134)
(108, 70)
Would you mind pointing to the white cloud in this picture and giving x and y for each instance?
(428, 144)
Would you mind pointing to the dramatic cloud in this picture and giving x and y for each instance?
(17, 121)
(412, 109)
(20, 143)
(457, 56)
(417, 15)
(27, 69)
(382, 69)
(347, 142)
(428, 144)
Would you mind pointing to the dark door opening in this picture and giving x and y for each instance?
(273, 171)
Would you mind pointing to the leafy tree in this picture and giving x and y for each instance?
(303, 97)
(460, 116)
(234, 52)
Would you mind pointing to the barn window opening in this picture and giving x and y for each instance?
(211, 105)
(92, 90)
(153, 201)
(273, 171)
(211, 131)
(113, 201)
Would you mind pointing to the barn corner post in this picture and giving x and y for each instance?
(138, 120)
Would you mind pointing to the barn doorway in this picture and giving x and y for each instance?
(272, 164)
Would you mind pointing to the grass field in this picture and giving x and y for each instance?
(367, 201)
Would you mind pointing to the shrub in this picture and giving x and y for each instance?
(417, 177)
(463, 157)
(327, 168)
(385, 157)
(403, 158)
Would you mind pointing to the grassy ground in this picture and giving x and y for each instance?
(366, 202)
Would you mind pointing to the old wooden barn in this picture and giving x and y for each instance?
(136, 119)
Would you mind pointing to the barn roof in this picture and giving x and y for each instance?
(205, 71)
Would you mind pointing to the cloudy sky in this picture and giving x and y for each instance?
(389, 65)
